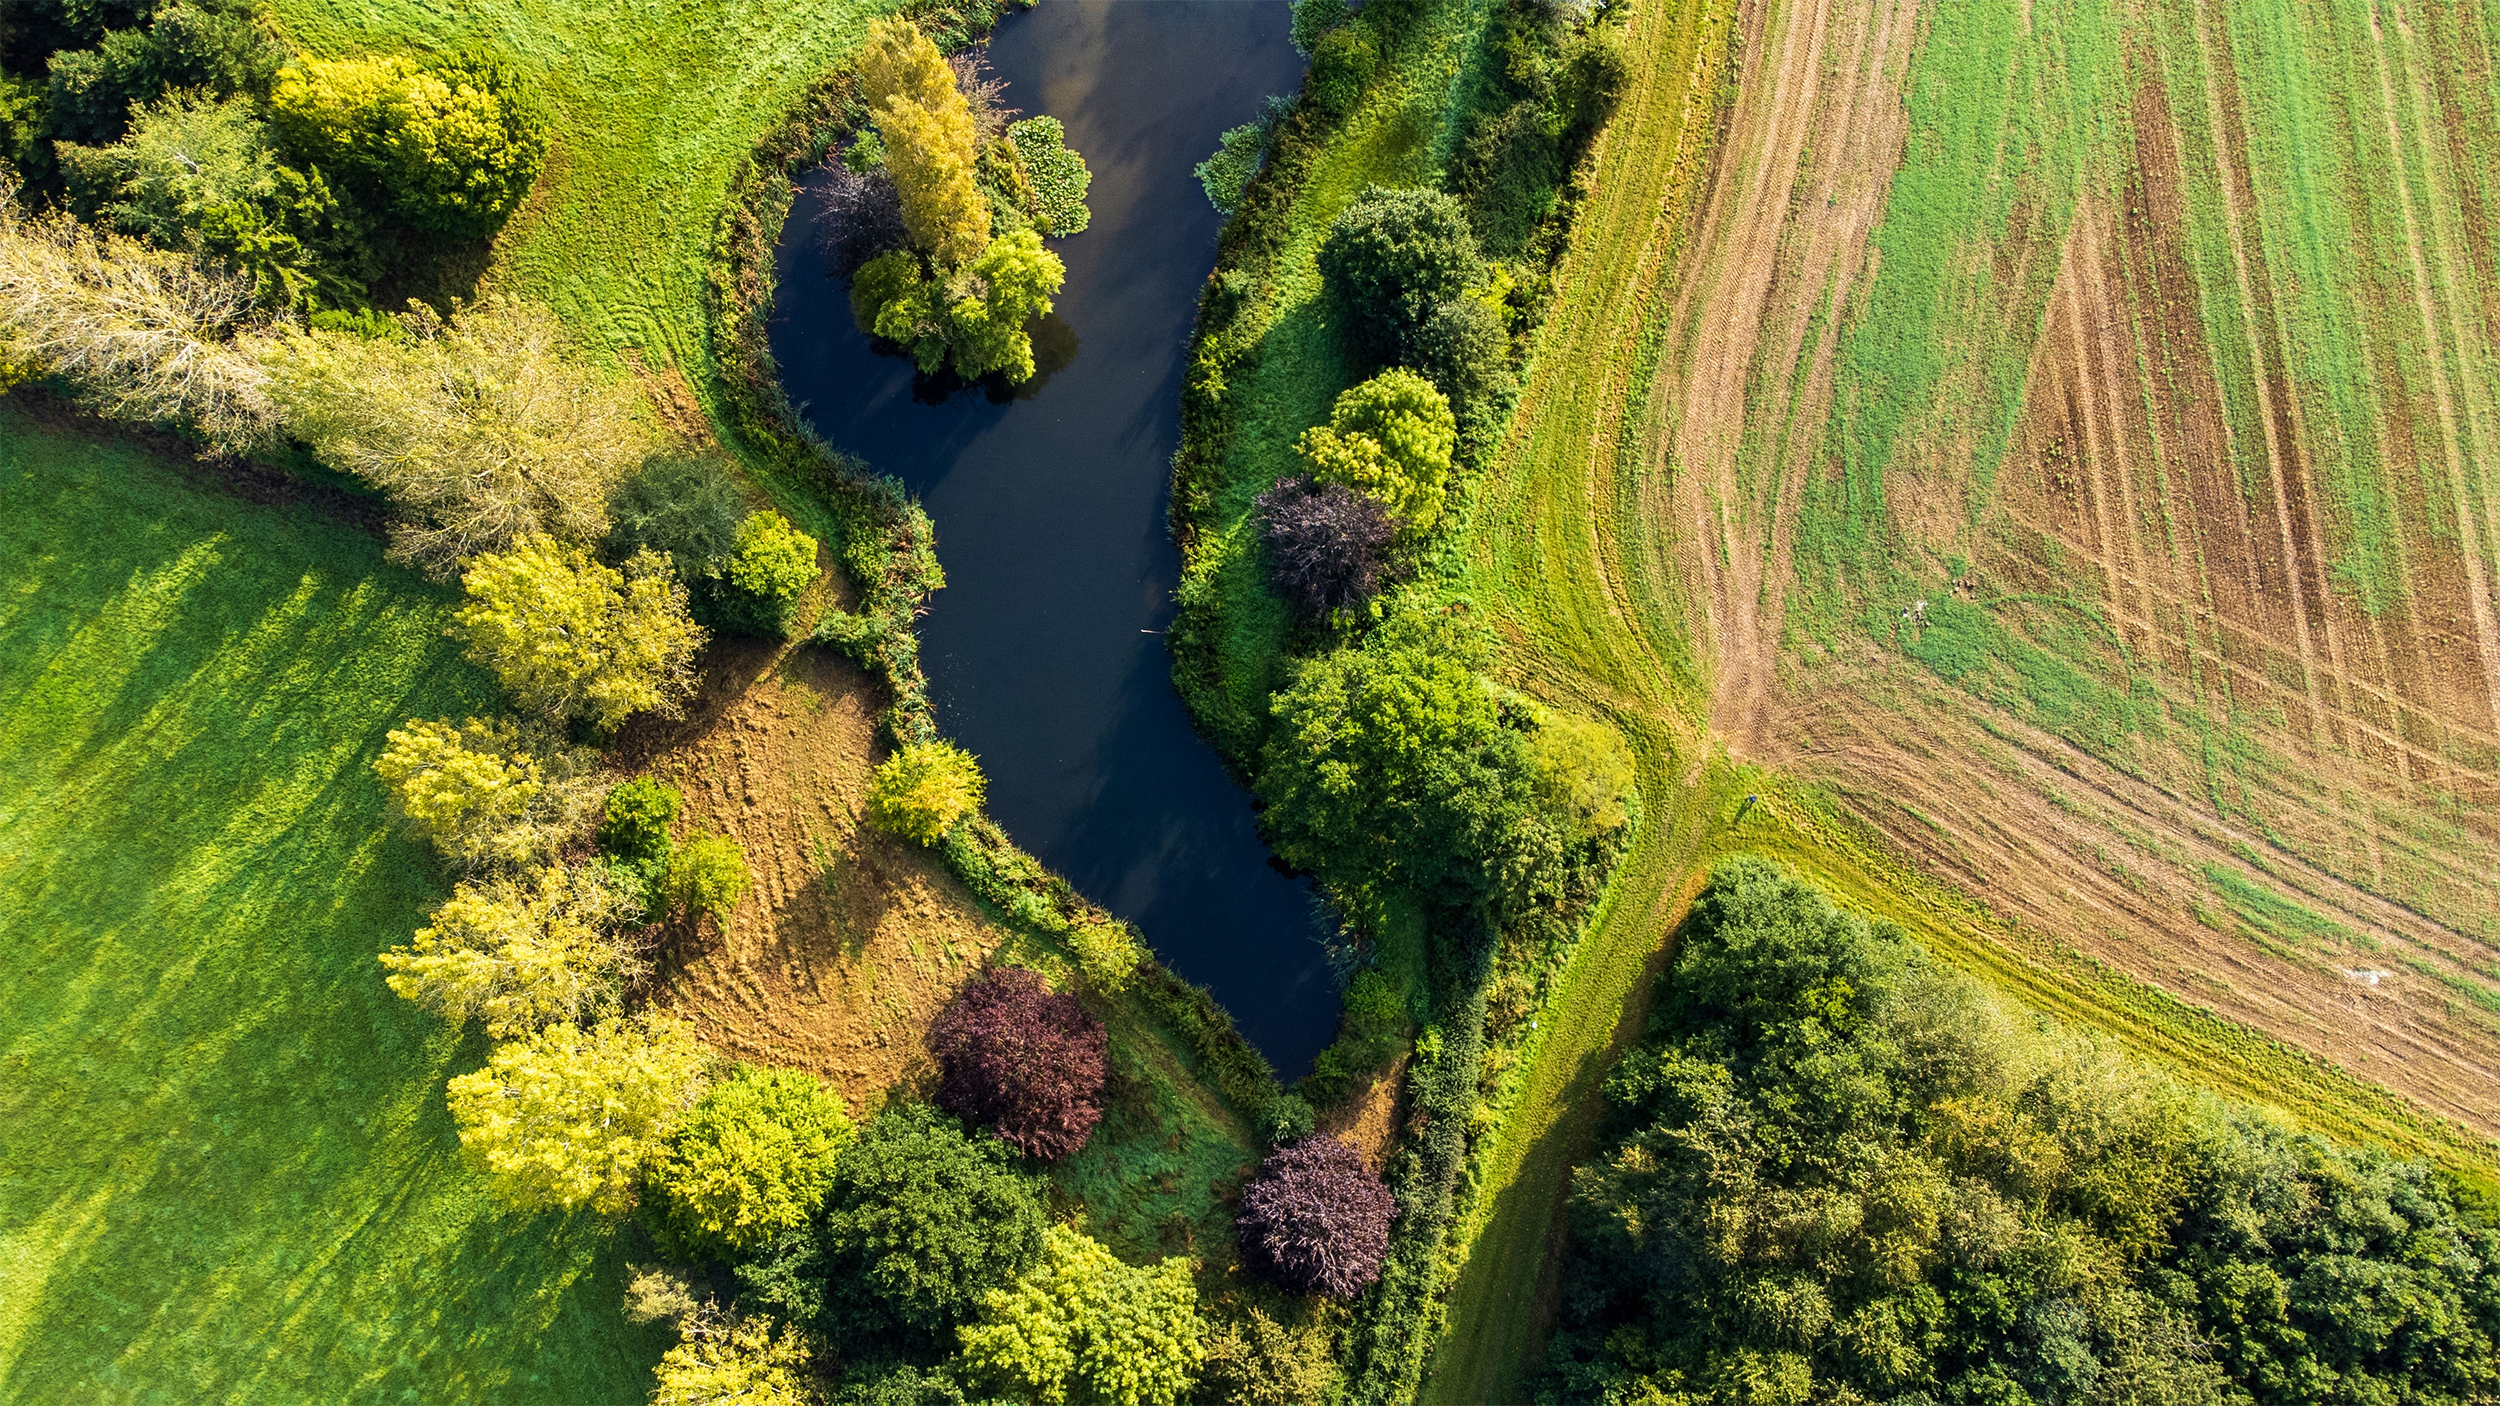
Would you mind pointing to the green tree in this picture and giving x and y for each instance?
(771, 566)
(572, 638)
(1583, 772)
(1083, 1329)
(923, 789)
(480, 432)
(1391, 259)
(1390, 438)
(521, 956)
(929, 138)
(568, 1117)
(459, 787)
(990, 327)
(451, 149)
(708, 874)
(200, 177)
(921, 1221)
(744, 1364)
(751, 1161)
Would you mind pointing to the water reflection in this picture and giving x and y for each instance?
(1045, 653)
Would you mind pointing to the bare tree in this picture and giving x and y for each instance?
(142, 334)
(482, 430)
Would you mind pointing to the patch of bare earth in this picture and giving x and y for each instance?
(850, 941)
(1368, 1121)
(2342, 760)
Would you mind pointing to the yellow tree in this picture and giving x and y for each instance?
(930, 140)
(519, 957)
(1390, 438)
(921, 791)
(569, 1117)
(572, 638)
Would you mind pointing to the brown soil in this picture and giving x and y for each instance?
(850, 941)
(2368, 795)
(1369, 1120)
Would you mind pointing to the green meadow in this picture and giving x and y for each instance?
(229, 1171)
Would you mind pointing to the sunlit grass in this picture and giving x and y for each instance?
(229, 1172)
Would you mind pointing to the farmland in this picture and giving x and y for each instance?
(2152, 347)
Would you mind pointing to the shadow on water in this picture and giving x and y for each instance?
(1044, 651)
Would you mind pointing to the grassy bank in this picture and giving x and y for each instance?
(231, 1173)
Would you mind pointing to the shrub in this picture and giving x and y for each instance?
(458, 787)
(1342, 65)
(199, 177)
(1371, 1032)
(684, 505)
(707, 874)
(634, 825)
(481, 432)
(769, 570)
(1289, 1118)
(1059, 176)
(746, 1365)
(1327, 545)
(1082, 1327)
(1253, 1360)
(1021, 1061)
(751, 1161)
(1391, 259)
(919, 1223)
(572, 638)
(922, 790)
(1465, 349)
(1108, 955)
(1390, 439)
(1583, 773)
(1509, 173)
(450, 149)
(569, 1117)
(1226, 175)
(1315, 1220)
(518, 958)
(138, 333)
(928, 134)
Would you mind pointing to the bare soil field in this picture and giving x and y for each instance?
(2071, 447)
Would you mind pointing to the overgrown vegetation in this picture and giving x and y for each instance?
(1837, 1166)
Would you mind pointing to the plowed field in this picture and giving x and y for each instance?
(2075, 436)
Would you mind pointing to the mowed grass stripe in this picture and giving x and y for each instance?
(231, 1173)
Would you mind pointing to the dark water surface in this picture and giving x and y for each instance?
(1050, 508)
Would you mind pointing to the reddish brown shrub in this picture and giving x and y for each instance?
(1014, 1057)
(1327, 545)
(1315, 1220)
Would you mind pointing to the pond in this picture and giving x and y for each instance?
(1044, 652)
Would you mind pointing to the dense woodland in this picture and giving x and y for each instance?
(1839, 1171)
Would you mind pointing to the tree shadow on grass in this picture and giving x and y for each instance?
(232, 1175)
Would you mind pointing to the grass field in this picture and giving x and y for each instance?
(230, 1172)
(651, 106)
(1828, 382)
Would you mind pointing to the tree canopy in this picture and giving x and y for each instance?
(1843, 1171)
(570, 637)
(751, 1161)
(923, 789)
(1022, 1061)
(927, 131)
(1315, 1220)
(1391, 439)
(450, 148)
(1391, 259)
(518, 956)
(568, 1117)
(1082, 1328)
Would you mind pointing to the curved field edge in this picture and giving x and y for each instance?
(1591, 607)
(231, 1172)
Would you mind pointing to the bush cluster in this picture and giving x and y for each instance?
(1022, 1061)
(1327, 545)
(752, 1161)
(1315, 1220)
(1843, 1171)
(924, 789)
